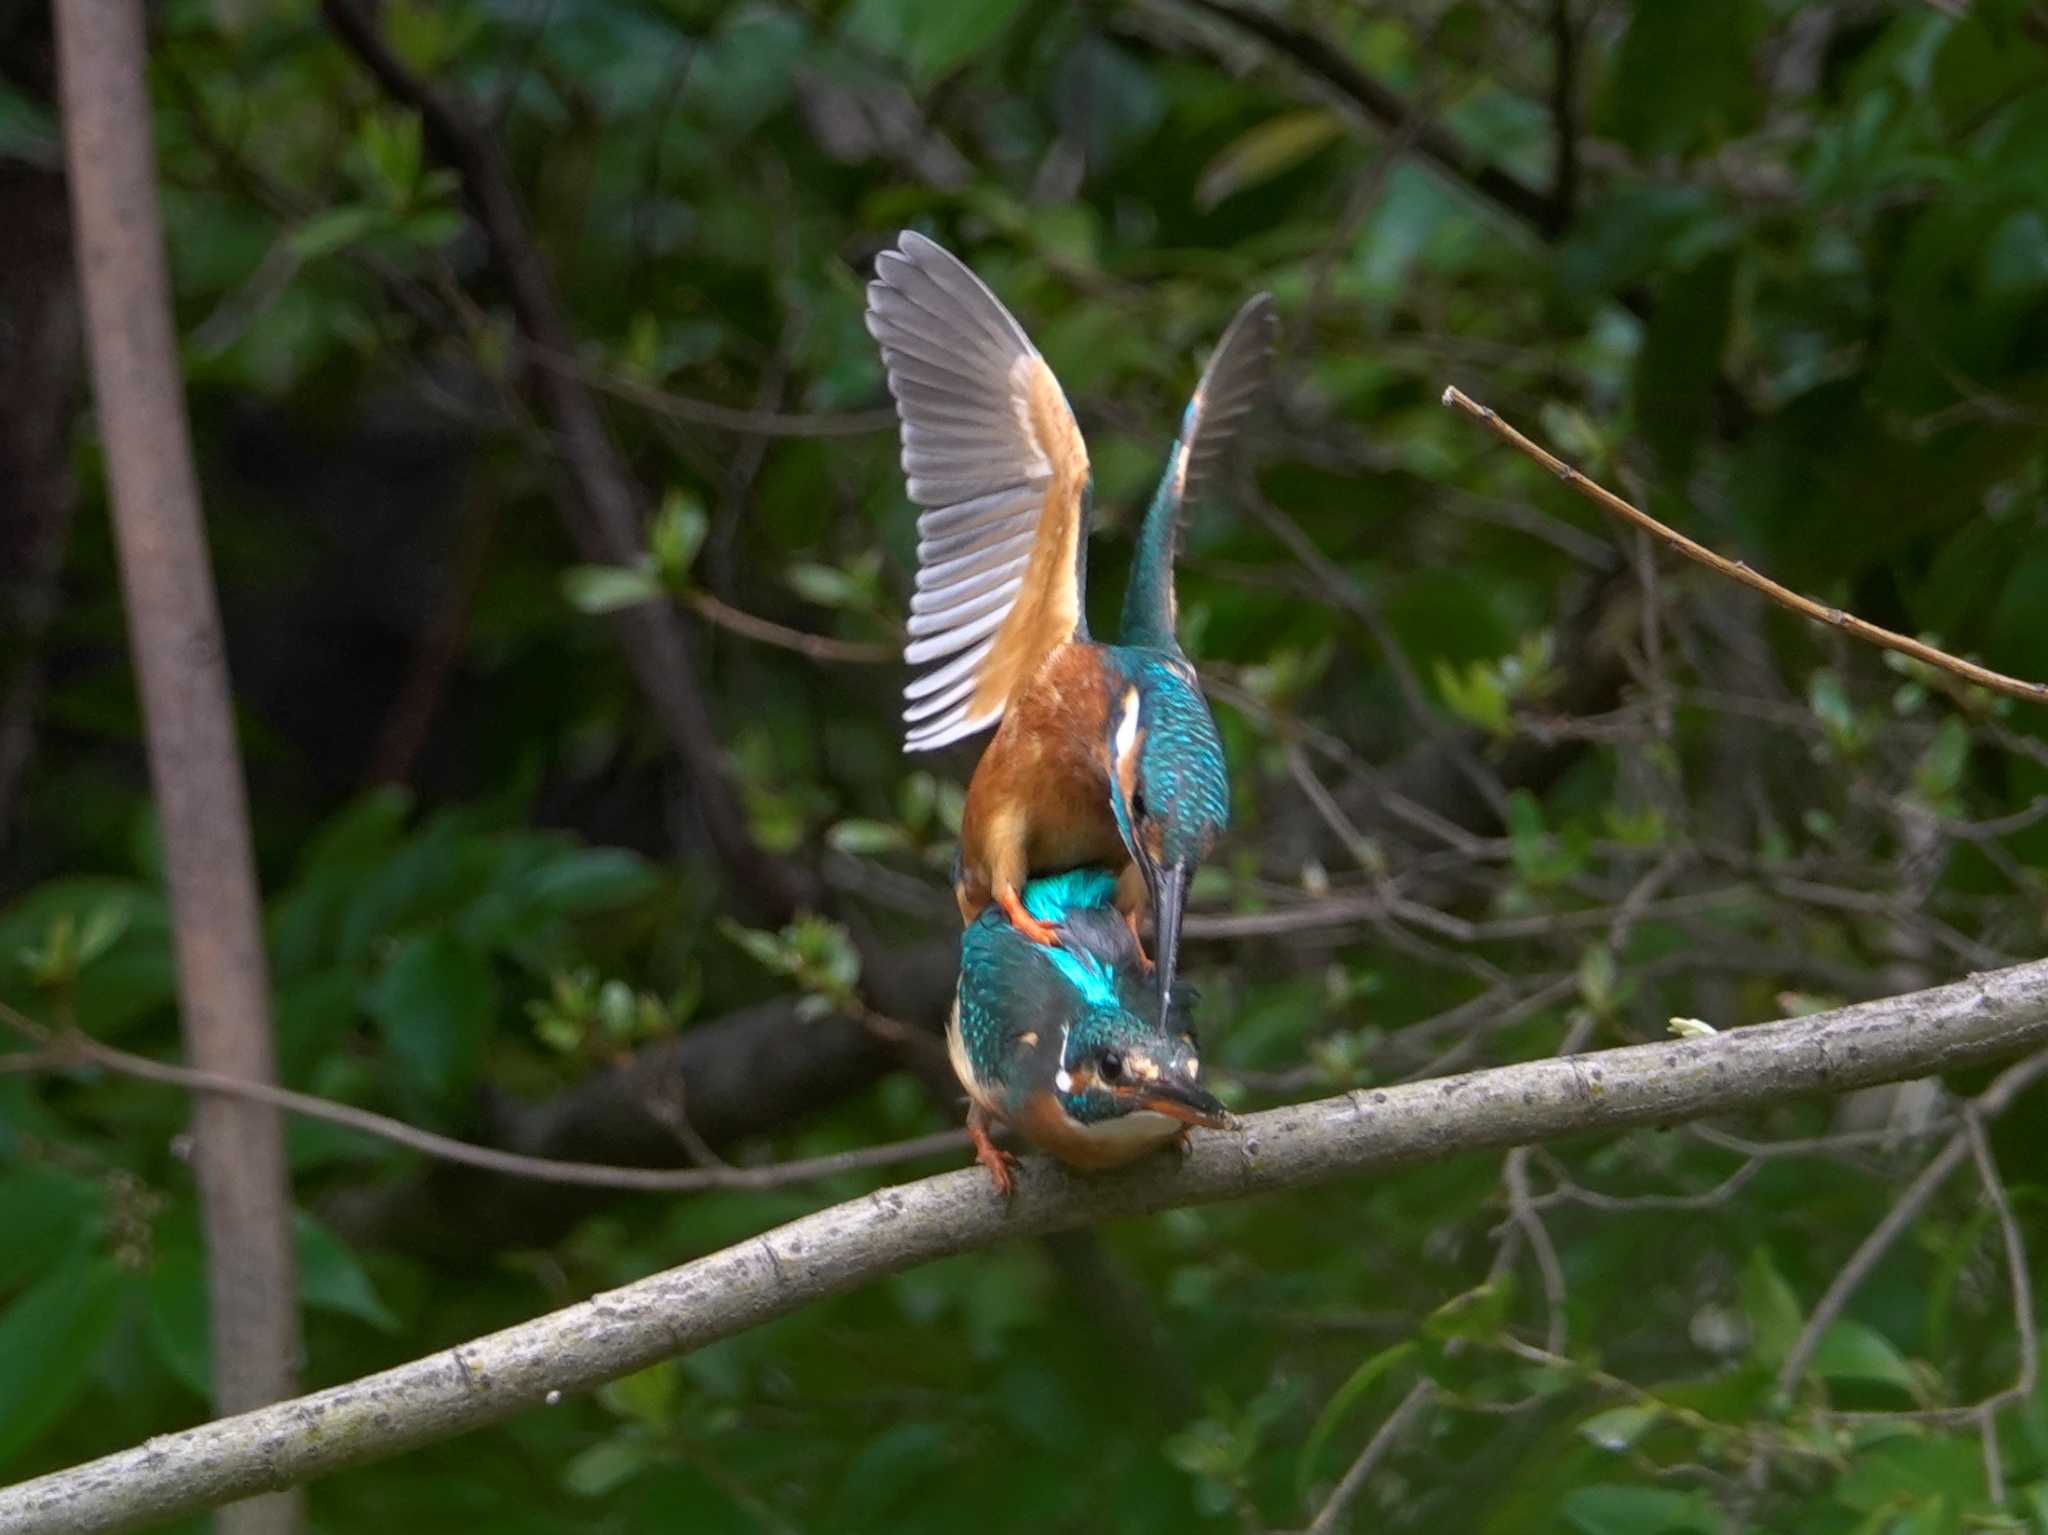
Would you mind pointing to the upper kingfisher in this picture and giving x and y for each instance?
(1065, 1043)
(1106, 754)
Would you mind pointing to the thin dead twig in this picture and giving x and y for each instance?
(1738, 570)
(70, 1051)
(1376, 1448)
(1904, 1211)
(818, 647)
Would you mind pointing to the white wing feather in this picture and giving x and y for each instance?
(960, 368)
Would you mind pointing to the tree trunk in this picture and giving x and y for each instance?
(174, 635)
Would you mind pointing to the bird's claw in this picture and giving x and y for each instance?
(1001, 1164)
(1001, 1167)
(1038, 932)
(1144, 959)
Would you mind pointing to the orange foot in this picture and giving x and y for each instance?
(998, 1161)
(1131, 921)
(1024, 922)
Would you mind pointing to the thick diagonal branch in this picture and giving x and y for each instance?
(1987, 1017)
(174, 635)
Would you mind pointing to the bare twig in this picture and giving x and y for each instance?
(840, 1249)
(1737, 570)
(730, 418)
(195, 771)
(62, 1052)
(1389, 1433)
(819, 647)
(2022, 1295)
(1904, 1211)
(1522, 1212)
(1357, 601)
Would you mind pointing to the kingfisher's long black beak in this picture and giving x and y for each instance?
(1169, 889)
(1185, 1101)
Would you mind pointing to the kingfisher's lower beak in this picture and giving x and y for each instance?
(1186, 1102)
(1169, 890)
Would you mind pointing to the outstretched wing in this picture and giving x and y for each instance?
(992, 453)
(1227, 393)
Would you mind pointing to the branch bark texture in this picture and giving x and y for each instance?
(175, 638)
(1987, 1017)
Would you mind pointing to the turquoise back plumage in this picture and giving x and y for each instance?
(1026, 1009)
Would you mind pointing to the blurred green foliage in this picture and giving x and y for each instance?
(1797, 305)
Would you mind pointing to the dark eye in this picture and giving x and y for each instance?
(1112, 1066)
(1138, 805)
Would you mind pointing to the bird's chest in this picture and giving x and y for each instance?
(1090, 1147)
(1049, 759)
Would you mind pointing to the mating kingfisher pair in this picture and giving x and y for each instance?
(1104, 786)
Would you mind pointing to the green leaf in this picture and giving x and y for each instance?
(431, 228)
(333, 1278)
(332, 229)
(49, 1338)
(823, 584)
(179, 1329)
(1618, 1428)
(392, 146)
(1848, 1350)
(1474, 1316)
(1610, 1510)
(593, 879)
(863, 838)
(1902, 1470)
(1475, 695)
(46, 1213)
(1598, 976)
(433, 1005)
(28, 131)
(1679, 366)
(1940, 769)
(677, 535)
(646, 1396)
(606, 1467)
(888, 1473)
(610, 588)
(1346, 1397)
(130, 975)
(1683, 78)
(935, 37)
(1772, 1309)
(1271, 149)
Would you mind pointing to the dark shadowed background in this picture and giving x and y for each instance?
(561, 546)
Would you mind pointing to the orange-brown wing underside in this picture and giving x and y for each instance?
(992, 453)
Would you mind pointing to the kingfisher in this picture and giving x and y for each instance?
(1104, 754)
(1067, 1043)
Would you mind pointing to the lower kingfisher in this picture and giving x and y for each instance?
(1065, 1043)
(1105, 754)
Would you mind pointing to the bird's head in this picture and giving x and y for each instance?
(1114, 1054)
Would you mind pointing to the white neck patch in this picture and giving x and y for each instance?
(1127, 726)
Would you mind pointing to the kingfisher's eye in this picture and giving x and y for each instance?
(1112, 1067)
(1138, 806)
